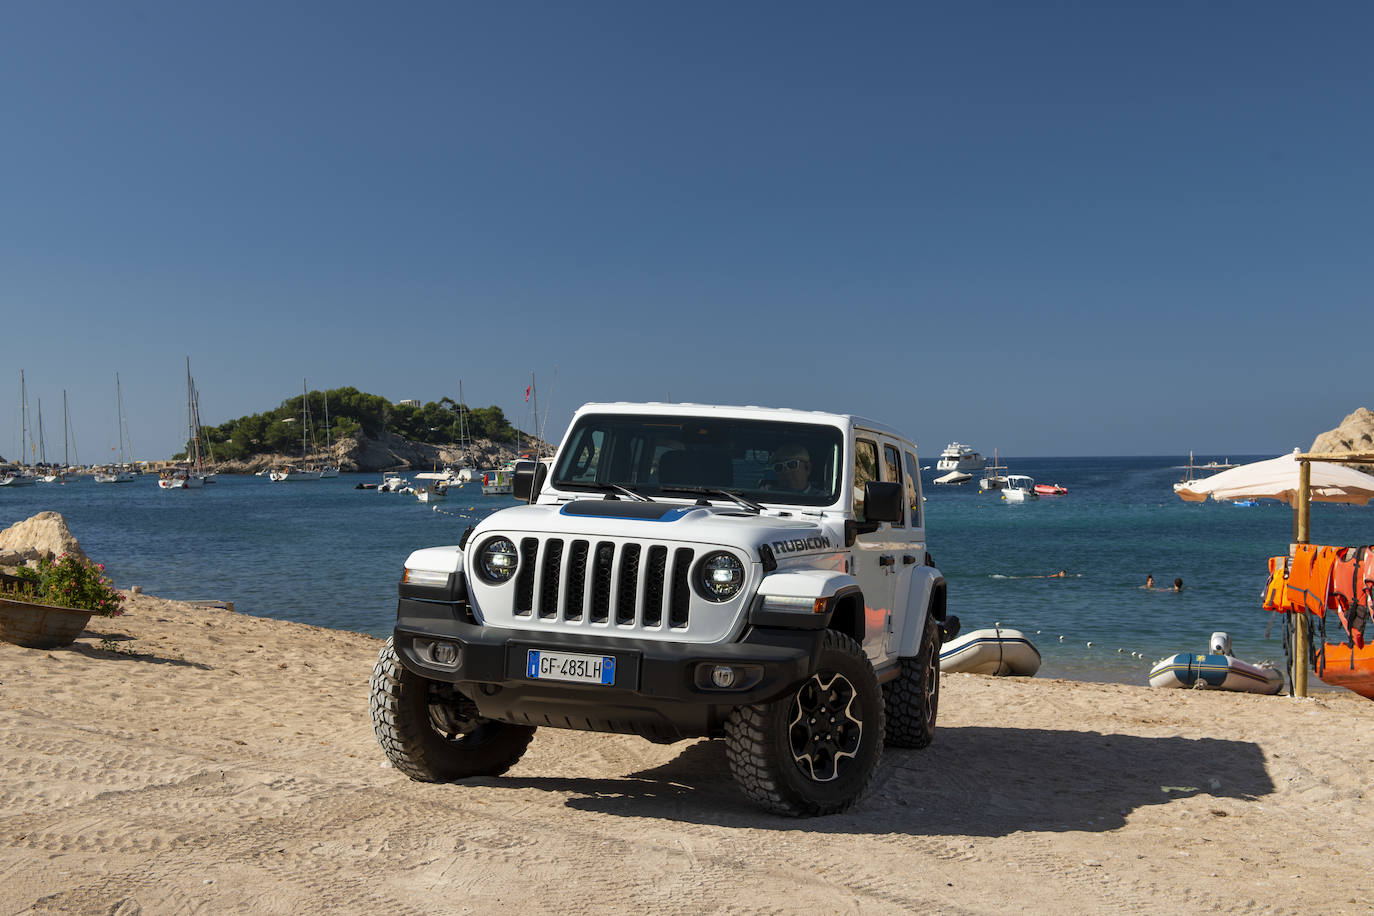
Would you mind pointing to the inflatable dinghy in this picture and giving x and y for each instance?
(996, 651)
(1218, 670)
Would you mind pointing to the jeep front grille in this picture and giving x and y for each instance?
(582, 581)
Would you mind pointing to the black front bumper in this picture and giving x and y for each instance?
(661, 690)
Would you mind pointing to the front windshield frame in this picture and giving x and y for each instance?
(726, 453)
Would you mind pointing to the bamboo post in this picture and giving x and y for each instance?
(1303, 510)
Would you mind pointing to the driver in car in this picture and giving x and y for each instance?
(791, 465)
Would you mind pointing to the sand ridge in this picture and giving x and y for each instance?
(184, 759)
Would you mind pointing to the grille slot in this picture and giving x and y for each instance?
(681, 596)
(524, 576)
(548, 582)
(627, 584)
(653, 585)
(577, 581)
(602, 562)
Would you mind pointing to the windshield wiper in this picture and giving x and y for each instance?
(714, 491)
(610, 487)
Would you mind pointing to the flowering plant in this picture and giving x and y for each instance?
(69, 581)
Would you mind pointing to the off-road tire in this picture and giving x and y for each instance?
(431, 732)
(802, 765)
(912, 699)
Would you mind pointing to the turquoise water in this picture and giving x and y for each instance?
(324, 553)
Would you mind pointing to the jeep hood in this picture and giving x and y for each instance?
(663, 521)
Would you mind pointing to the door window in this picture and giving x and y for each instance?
(865, 469)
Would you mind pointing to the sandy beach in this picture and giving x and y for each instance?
(182, 759)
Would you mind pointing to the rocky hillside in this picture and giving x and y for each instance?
(1355, 434)
(392, 452)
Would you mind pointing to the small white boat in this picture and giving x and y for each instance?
(1019, 488)
(958, 457)
(992, 480)
(1218, 670)
(15, 479)
(180, 479)
(433, 493)
(114, 475)
(994, 650)
(954, 477)
(290, 472)
(392, 483)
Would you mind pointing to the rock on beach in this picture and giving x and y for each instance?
(43, 535)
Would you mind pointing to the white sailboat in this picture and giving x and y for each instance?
(18, 475)
(327, 470)
(49, 475)
(291, 472)
(122, 472)
(192, 476)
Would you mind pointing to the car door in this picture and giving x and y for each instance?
(873, 558)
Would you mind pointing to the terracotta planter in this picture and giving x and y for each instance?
(40, 626)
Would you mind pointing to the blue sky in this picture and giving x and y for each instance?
(1050, 228)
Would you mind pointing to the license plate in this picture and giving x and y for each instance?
(569, 666)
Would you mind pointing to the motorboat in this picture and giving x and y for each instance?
(1218, 669)
(291, 472)
(115, 474)
(992, 480)
(1019, 489)
(501, 482)
(434, 492)
(954, 477)
(15, 478)
(994, 650)
(959, 457)
(393, 483)
(179, 479)
(1050, 489)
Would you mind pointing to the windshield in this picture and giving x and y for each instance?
(764, 461)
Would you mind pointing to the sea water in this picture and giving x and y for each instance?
(325, 553)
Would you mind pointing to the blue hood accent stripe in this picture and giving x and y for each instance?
(628, 511)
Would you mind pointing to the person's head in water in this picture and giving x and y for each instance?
(1149, 581)
(792, 466)
(1059, 575)
(1178, 585)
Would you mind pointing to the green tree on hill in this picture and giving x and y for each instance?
(351, 412)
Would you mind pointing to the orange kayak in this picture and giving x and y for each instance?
(1350, 668)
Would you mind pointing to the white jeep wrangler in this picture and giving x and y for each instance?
(743, 573)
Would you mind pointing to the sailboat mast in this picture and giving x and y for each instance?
(119, 418)
(23, 420)
(534, 412)
(305, 420)
(66, 460)
(42, 445)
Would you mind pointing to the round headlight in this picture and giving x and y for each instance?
(720, 576)
(497, 559)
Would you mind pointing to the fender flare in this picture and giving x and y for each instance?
(925, 597)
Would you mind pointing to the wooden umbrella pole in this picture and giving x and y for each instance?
(1303, 510)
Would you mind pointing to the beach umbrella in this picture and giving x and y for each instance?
(1279, 478)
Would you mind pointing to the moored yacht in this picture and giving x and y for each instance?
(958, 457)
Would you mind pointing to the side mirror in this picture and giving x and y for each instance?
(525, 483)
(883, 501)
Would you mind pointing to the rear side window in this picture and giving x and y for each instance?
(892, 458)
(913, 496)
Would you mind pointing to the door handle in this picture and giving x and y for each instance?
(886, 560)
(908, 559)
